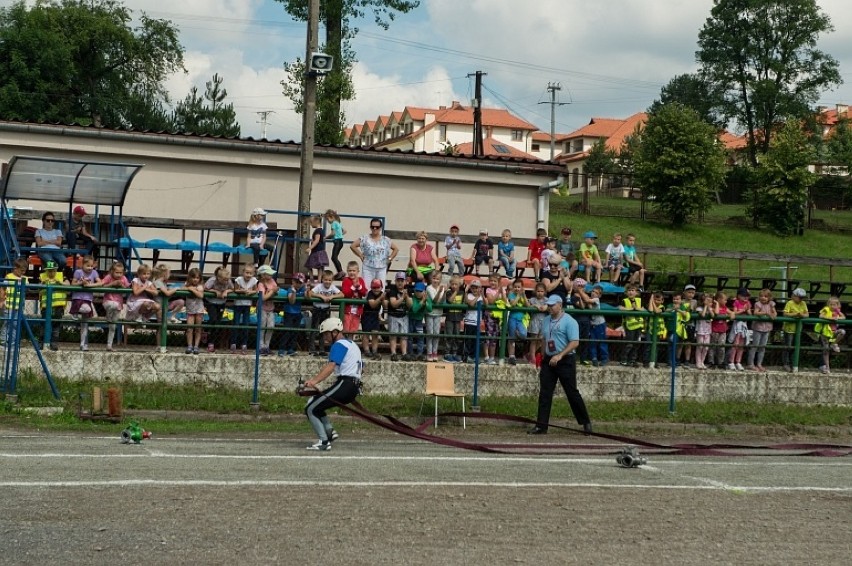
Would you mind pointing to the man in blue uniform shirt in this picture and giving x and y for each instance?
(560, 337)
(344, 362)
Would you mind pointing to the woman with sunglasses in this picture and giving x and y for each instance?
(49, 240)
(376, 251)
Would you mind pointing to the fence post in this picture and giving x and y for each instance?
(797, 345)
(255, 404)
(673, 364)
(475, 403)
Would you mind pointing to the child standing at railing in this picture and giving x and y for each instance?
(796, 307)
(12, 299)
(435, 290)
(354, 287)
(221, 286)
(703, 328)
(267, 288)
(81, 301)
(760, 329)
(161, 275)
(194, 309)
(114, 302)
(538, 302)
(453, 323)
(739, 329)
(245, 287)
(292, 322)
(829, 332)
(326, 291)
(55, 303)
(517, 320)
(719, 330)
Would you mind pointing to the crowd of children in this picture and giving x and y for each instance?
(442, 317)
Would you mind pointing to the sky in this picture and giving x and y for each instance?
(610, 58)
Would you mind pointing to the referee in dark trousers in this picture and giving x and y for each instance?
(560, 335)
(344, 362)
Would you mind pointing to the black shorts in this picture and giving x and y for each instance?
(370, 321)
(632, 268)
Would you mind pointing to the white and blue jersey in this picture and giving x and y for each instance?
(347, 359)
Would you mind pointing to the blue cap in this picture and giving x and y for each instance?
(420, 286)
(554, 300)
(591, 235)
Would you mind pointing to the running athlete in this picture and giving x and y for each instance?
(344, 362)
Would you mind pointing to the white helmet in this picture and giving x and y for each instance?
(331, 324)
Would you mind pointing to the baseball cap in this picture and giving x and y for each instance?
(259, 211)
(554, 300)
(689, 287)
(265, 270)
(49, 264)
(454, 227)
(591, 235)
(481, 232)
(79, 210)
(376, 284)
(400, 275)
(300, 277)
(420, 286)
(566, 231)
(743, 292)
(799, 292)
(476, 283)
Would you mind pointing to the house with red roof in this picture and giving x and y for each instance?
(447, 128)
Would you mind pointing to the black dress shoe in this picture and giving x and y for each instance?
(537, 430)
(587, 429)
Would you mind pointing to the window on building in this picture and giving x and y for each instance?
(536, 147)
(578, 146)
(517, 135)
(575, 178)
(442, 133)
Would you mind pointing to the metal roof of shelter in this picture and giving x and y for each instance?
(67, 180)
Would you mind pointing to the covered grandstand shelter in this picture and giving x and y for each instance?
(67, 181)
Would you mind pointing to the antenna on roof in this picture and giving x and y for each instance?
(263, 122)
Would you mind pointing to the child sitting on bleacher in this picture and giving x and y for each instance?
(53, 301)
(506, 253)
(614, 258)
(590, 258)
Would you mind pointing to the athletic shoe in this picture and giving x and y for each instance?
(491, 362)
(233, 348)
(54, 347)
(244, 350)
(394, 357)
(732, 367)
(281, 353)
(835, 347)
(195, 350)
(752, 368)
(421, 358)
(824, 369)
(760, 368)
(513, 361)
(333, 436)
(739, 367)
(189, 349)
(321, 446)
(449, 358)
(407, 358)
(84, 347)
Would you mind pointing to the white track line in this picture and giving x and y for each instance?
(375, 484)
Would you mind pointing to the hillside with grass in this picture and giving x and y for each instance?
(725, 227)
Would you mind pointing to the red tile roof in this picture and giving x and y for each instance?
(490, 148)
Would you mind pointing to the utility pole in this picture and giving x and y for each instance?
(553, 87)
(478, 145)
(264, 114)
(309, 119)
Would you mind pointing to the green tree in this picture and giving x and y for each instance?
(601, 161)
(336, 86)
(693, 91)
(784, 180)
(762, 54)
(208, 114)
(71, 60)
(840, 145)
(679, 162)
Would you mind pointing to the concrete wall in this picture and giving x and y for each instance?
(612, 383)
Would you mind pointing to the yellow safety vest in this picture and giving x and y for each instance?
(634, 322)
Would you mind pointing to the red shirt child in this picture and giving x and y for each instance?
(353, 288)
